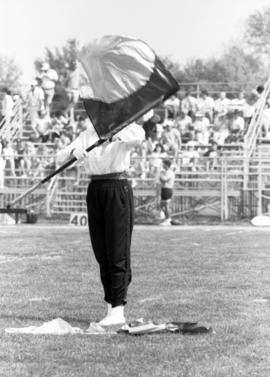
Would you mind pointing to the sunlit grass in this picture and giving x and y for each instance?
(218, 276)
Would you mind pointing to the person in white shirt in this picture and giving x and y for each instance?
(191, 155)
(238, 103)
(48, 79)
(171, 139)
(35, 102)
(72, 89)
(237, 123)
(9, 157)
(173, 105)
(205, 105)
(220, 130)
(2, 166)
(201, 123)
(222, 104)
(189, 104)
(110, 210)
(7, 106)
(266, 120)
(42, 124)
(182, 124)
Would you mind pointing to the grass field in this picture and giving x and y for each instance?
(218, 276)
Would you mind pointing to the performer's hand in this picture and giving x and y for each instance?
(79, 153)
(115, 138)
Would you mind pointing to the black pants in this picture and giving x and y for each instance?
(110, 219)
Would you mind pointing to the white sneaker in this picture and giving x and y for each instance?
(166, 222)
(161, 215)
(115, 317)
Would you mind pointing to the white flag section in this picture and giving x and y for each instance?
(261, 221)
(57, 327)
(113, 67)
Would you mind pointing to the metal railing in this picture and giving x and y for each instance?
(13, 127)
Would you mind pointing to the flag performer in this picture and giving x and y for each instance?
(121, 79)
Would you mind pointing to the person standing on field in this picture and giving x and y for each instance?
(110, 210)
(167, 178)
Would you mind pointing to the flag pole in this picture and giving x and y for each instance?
(96, 144)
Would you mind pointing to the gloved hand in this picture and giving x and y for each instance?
(115, 138)
(79, 153)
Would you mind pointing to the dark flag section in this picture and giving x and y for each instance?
(108, 118)
(121, 79)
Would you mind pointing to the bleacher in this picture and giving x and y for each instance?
(228, 187)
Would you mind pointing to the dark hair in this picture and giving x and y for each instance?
(260, 89)
(6, 90)
(167, 162)
(81, 118)
(159, 145)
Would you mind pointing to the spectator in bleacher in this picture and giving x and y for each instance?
(138, 167)
(249, 108)
(205, 105)
(54, 131)
(2, 166)
(40, 161)
(203, 137)
(237, 124)
(35, 102)
(150, 127)
(220, 129)
(42, 125)
(201, 126)
(155, 161)
(33, 138)
(9, 156)
(238, 103)
(251, 103)
(69, 131)
(59, 121)
(212, 155)
(201, 123)
(190, 156)
(19, 149)
(182, 124)
(171, 139)
(222, 104)
(48, 78)
(173, 105)
(189, 105)
(27, 158)
(266, 120)
(63, 141)
(7, 105)
(83, 124)
(72, 89)
(151, 133)
(2, 171)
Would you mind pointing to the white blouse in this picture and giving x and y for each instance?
(109, 157)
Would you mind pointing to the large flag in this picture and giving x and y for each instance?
(121, 79)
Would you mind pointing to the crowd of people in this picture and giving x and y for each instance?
(183, 129)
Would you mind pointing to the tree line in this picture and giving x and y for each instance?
(245, 61)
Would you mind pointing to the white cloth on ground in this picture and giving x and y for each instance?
(57, 327)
